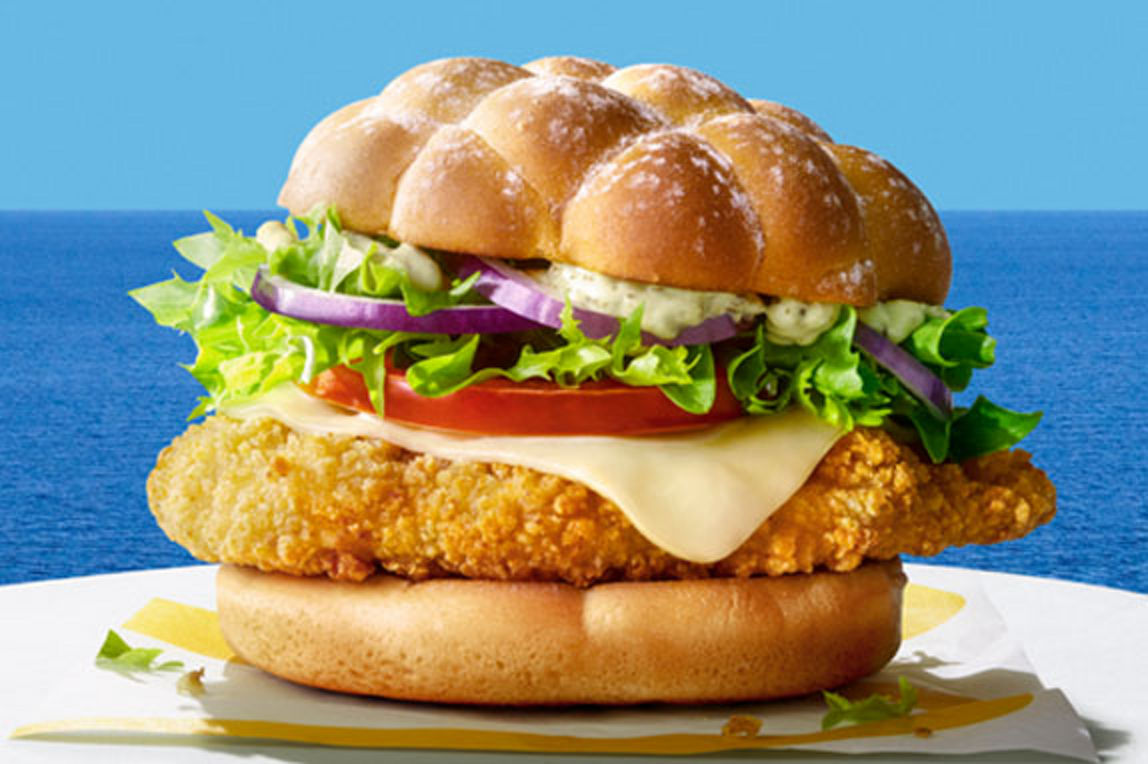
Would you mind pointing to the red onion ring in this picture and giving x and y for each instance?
(280, 295)
(505, 285)
(916, 376)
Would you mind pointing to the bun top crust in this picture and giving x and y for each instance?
(655, 173)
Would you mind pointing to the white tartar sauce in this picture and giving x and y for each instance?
(793, 322)
(423, 271)
(668, 310)
(897, 319)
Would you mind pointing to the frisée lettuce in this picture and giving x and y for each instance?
(244, 351)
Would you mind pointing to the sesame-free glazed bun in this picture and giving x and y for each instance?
(655, 173)
(506, 643)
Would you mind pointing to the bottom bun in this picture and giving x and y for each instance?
(511, 643)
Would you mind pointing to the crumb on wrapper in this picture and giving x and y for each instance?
(741, 726)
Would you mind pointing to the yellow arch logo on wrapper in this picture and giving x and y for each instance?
(927, 608)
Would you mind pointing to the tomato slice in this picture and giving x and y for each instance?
(534, 407)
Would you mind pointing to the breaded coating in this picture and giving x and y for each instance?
(254, 492)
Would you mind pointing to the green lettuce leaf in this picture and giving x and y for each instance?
(829, 378)
(243, 350)
(419, 302)
(169, 301)
(953, 347)
(117, 655)
(987, 427)
(684, 374)
(935, 434)
(327, 258)
(845, 388)
(696, 396)
(874, 708)
(446, 365)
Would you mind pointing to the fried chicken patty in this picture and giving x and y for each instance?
(254, 492)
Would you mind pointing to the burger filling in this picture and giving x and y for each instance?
(770, 355)
(374, 390)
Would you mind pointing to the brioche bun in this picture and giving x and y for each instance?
(509, 643)
(654, 173)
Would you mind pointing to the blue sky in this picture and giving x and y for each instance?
(986, 105)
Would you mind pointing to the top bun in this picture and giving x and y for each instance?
(654, 173)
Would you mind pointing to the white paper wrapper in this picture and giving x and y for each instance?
(977, 694)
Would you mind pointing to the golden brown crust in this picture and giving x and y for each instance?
(804, 203)
(652, 172)
(571, 66)
(254, 492)
(900, 225)
(509, 643)
(790, 116)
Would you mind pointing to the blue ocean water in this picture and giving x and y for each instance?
(92, 391)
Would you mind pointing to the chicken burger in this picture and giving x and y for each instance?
(572, 384)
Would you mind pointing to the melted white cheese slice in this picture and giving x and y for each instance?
(697, 495)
